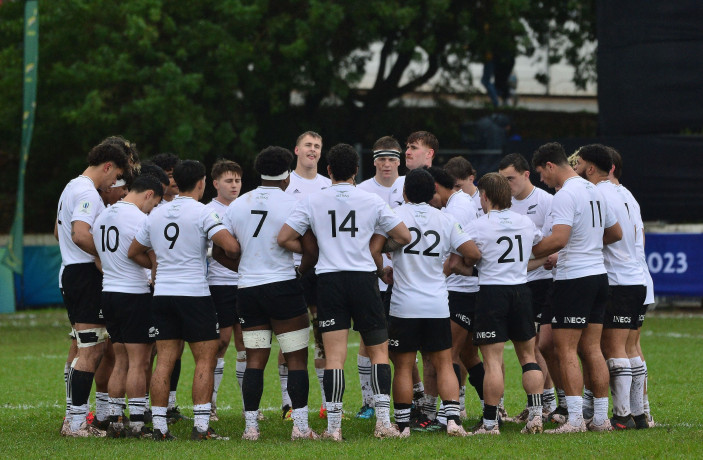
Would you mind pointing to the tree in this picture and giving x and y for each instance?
(209, 78)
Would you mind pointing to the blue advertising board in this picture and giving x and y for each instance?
(676, 263)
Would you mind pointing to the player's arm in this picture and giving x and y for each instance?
(534, 264)
(219, 255)
(377, 246)
(554, 242)
(400, 234)
(98, 263)
(81, 236)
(138, 253)
(311, 251)
(463, 263)
(612, 234)
(288, 239)
(56, 229)
(224, 239)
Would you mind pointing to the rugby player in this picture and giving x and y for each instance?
(182, 308)
(343, 219)
(638, 392)
(387, 184)
(227, 179)
(305, 180)
(464, 176)
(126, 300)
(270, 297)
(462, 292)
(503, 306)
(419, 318)
(167, 162)
(534, 203)
(81, 280)
(627, 290)
(582, 224)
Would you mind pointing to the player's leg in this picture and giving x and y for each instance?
(225, 299)
(293, 335)
(116, 390)
(241, 365)
(447, 384)
(222, 346)
(492, 385)
(173, 412)
(335, 346)
(168, 351)
(257, 341)
(638, 380)
(102, 378)
(532, 382)
(204, 353)
(403, 364)
(559, 413)
(363, 364)
(139, 357)
(566, 343)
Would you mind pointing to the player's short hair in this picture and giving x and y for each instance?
(497, 189)
(460, 168)
(343, 161)
(145, 182)
(598, 155)
(573, 159)
(222, 166)
(187, 173)
(440, 176)
(273, 161)
(130, 149)
(149, 168)
(312, 134)
(387, 143)
(424, 137)
(617, 161)
(166, 161)
(515, 160)
(552, 152)
(108, 152)
(419, 186)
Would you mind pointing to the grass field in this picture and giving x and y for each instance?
(33, 349)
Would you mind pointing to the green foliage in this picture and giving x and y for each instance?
(215, 78)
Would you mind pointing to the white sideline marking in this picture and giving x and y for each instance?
(672, 335)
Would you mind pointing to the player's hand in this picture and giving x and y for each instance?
(551, 261)
(387, 275)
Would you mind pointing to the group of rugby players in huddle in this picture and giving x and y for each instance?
(427, 262)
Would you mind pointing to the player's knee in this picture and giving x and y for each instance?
(527, 367)
(257, 339)
(294, 340)
(89, 338)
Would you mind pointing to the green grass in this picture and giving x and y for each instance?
(33, 349)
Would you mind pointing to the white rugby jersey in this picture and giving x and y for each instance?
(255, 219)
(462, 207)
(536, 205)
(581, 206)
(636, 214)
(392, 195)
(178, 232)
(343, 219)
(80, 201)
(419, 284)
(505, 239)
(620, 258)
(217, 274)
(113, 232)
(477, 201)
(301, 187)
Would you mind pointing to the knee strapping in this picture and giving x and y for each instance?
(91, 337)
(294, 340)
(257, 339)
(531, 367)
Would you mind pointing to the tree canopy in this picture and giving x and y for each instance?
(210, 78)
